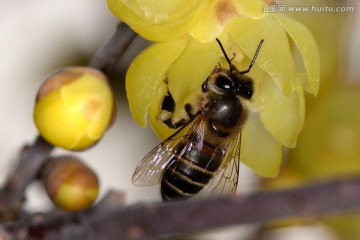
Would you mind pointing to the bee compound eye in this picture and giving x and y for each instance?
(204, 86)
(224, 83)
(245, 90)
(247, 93)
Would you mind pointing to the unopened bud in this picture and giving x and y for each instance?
(74, 107)
(70, 184)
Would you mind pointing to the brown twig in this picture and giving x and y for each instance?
(150, 221)
(108, 55)
(34, 156)
(12, 193)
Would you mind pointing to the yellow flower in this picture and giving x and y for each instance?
(74, 108)
(182, 63)
(167, 19)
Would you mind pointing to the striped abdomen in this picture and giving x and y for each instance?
(190, 169)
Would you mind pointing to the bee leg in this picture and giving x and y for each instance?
(189, 110)
(170, 124)
(167, 110)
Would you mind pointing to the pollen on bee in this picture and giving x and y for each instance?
(164, 115)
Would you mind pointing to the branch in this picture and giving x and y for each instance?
(110, 54)
(150, 221)
(34, 156)
(12, 193)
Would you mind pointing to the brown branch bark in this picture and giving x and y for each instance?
(12, 193)
(150, 221)
(106, 58)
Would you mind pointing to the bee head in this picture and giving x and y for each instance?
(231, 82)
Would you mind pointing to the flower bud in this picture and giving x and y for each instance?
(70, 184)
(74, 107)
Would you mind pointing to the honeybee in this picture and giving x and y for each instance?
(202, 156)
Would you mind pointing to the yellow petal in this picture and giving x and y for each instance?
(306, 44)
(250, 9)
(275, 55)
(283, 117)
(158, 20)
(214, 15)
(191, 69)
(185, 77)
(146, 72)
(302, 108)
(211, 19)
(259, 149)
(170, 10)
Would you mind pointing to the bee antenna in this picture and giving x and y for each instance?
(254, 58)
(226, 56)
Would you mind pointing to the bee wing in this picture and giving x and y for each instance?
(150, 169)
(225, 180)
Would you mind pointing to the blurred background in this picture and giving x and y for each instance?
(38, 36)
